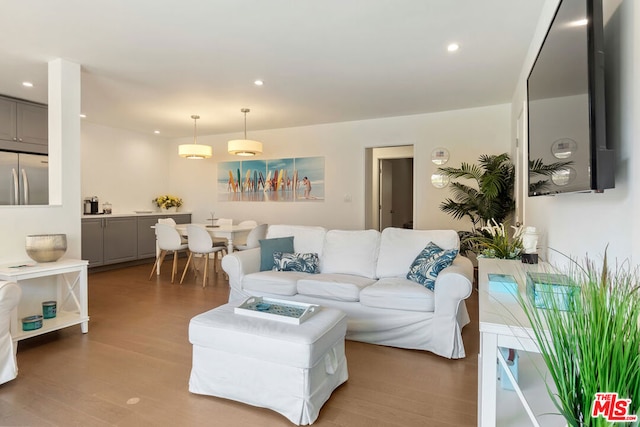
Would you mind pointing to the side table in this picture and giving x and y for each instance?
(64, 281)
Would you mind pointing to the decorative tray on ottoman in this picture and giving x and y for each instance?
(273, 309)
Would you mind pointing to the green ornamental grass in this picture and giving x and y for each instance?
(595, 345)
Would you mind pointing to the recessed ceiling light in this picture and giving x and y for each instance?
(27, 84)
(156, 132)
(453, 47)
(83, 116)
(258, 83)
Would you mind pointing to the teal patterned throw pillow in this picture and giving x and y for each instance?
(306, 263)
(431, 261)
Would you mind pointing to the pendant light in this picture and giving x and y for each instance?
(195, 150)
(244, 147)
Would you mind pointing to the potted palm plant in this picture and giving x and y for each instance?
(594, 347)
(490, 195)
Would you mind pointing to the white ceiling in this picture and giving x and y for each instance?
(151, 64)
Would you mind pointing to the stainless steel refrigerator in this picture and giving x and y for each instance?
(24, 179)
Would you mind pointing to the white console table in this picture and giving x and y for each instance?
(503, 323)
(64, 281)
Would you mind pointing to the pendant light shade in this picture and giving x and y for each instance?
(195, 150)
(244, 147)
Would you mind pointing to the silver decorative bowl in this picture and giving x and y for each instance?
(46, 247)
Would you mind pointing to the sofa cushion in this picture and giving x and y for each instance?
(270, 246)
(429, 262)
(400, 246)
(306, 239)
(339, 287)
(350, 252)
(306, 263)
(273, 282)
(399, 294)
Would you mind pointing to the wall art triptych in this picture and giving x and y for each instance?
(299, 179)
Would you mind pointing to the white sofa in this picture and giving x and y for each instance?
(363, 273)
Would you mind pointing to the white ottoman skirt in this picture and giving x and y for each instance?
(291, 369)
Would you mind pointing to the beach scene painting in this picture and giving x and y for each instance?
(298, 179)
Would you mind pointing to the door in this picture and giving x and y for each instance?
(386, 193)
(34, 179)
(8, 174)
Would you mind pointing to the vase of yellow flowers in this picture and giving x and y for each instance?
(168, 202)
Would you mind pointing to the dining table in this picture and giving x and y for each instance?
(230, 232)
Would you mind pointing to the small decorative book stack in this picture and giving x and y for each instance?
(547, 290)
(502, 283)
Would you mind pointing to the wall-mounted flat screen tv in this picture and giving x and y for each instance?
(568, 149)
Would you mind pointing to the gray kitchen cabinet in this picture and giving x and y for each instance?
(120, 239)
(93, 241)
(112, 240)
(33, 124)
(24, 126)
(146, 237)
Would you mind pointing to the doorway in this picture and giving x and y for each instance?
(389, 187)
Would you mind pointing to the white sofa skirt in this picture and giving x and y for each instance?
(396, 328)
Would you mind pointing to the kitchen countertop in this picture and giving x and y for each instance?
(124, 214)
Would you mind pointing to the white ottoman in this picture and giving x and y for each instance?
(291, 369)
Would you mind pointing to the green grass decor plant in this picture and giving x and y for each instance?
(595, 345)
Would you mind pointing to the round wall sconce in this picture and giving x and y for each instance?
(439, 180)
(564, 148)
(440, 156)
(564, 176)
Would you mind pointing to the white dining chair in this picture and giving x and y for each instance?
(253, 238)
(217, 242)
(200, 242)
(168, 221)
(248, 223)
(169, 241)
(171, 222)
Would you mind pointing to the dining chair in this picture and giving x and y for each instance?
(9, 297)
(248, 223)
(168, 221)
(200, 242)
(169, 240)
(253, 238)
(171, 222)
(217, 242)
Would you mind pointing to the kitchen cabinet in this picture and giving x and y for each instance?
(109, 240)
(114, 239)
(120, 239)
(93, 241)
(24, 126)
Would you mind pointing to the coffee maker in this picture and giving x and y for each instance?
(91, 205)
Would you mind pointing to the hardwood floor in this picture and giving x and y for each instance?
(132, 368)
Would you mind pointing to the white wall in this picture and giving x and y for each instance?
(63, 216)
(465, 133)
(580, 224)
(125, 168)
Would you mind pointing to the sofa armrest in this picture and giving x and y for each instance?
(238, 264)
(453, 284)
